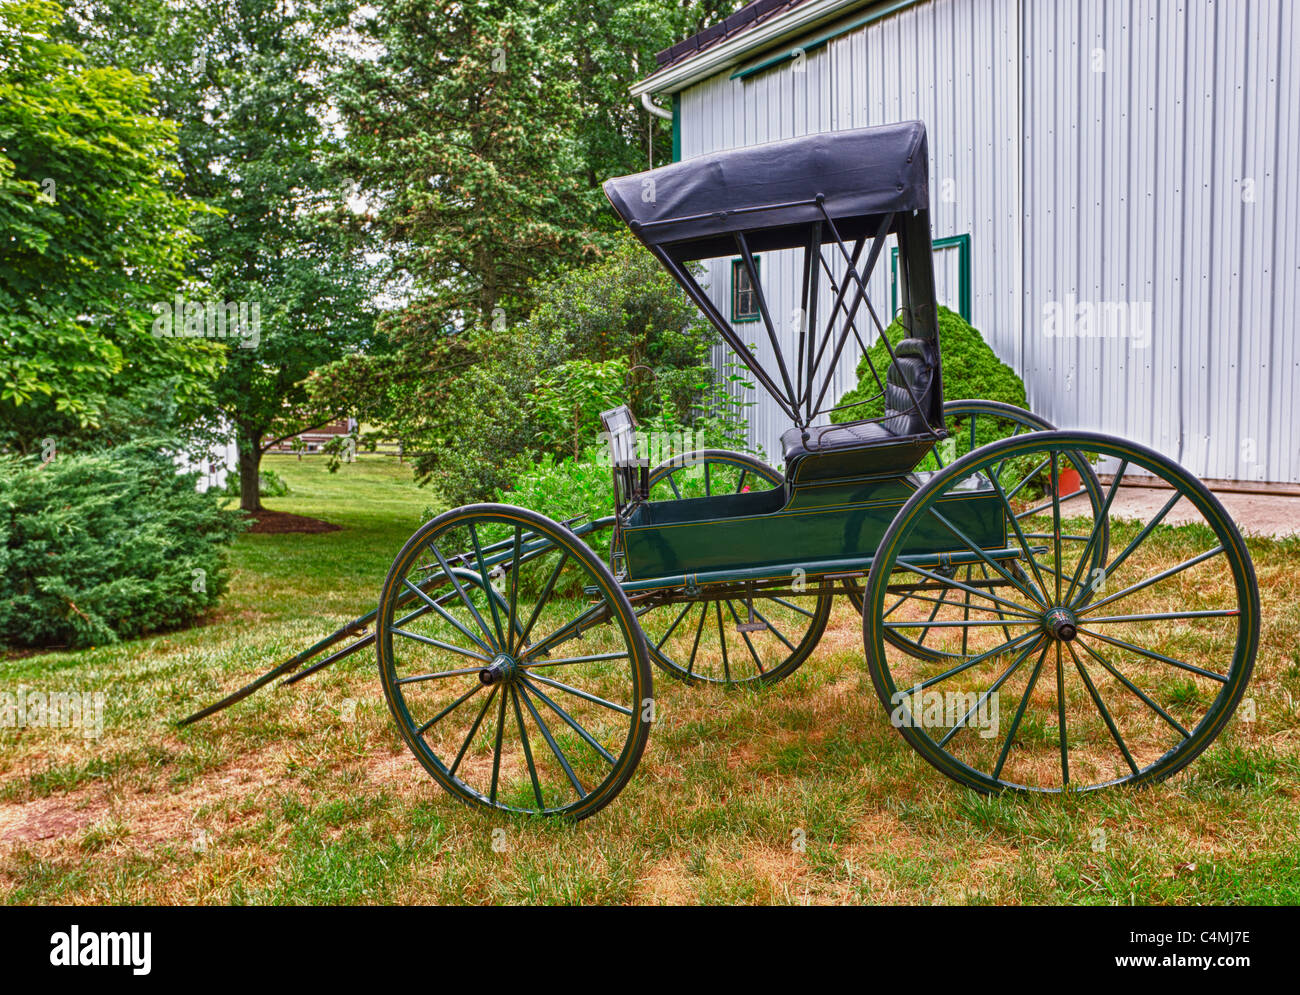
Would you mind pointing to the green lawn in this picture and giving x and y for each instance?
(802, 793)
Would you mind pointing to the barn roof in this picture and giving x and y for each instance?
(742, 20)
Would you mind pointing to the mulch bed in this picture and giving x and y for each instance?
(281, 522)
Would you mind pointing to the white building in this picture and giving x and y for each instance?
(1132, 164)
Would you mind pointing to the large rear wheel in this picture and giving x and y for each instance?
(1061, 674)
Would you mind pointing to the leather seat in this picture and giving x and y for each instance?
(913, 360)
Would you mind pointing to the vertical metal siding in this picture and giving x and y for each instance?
(1137, 179)
(1118, 181)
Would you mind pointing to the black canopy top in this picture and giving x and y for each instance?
(857, 174)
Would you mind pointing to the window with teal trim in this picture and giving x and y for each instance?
(959, 297)
(744, 299)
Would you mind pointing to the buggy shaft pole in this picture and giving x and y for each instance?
(352, 628)
(293, 663)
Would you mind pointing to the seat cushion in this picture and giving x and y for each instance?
(829, 438)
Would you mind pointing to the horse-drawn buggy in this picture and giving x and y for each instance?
(1019, 632)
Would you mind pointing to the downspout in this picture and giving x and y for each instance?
(668, 115)
(648, 103)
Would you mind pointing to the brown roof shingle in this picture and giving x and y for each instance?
(742, 20)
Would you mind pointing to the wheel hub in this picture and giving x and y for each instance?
(503, 668)
(1060, 623)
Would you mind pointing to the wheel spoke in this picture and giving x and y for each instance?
(496, 751)
(1040, 508)
(528, 750)
(1153, 655)
(685, 608)
(938, 603)
(952, 581)
(449, 709)
(895, 606)
(967, 664)
(677, 491)
(793, 607)
(418, 637)
(1006, 633)
(446, 569)
(1157, 616)
(1056, 533)
(745, 635)
(1024, 543)
(999, 611)
(978, 551)
(514, 594)
(1060, 717)
(959, 623)
(704, 611)
(1101, 708)
(488, 589)
(997, 472)
(1006, 674)
(579, 693)
(464, 630)
(1100, 520)
(1114, 565)
(1026, 478)
(550, 741)
(1020, 713)
(740, 484)
(965, 633)
(1142, 695)
(464, 748)
(571, 722)
(579, 622)
(1163, 575)
(775, 631)
(565, 661)
(722, 642)
(545, 596)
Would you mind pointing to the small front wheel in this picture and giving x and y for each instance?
(1058, 674)
(527, 691)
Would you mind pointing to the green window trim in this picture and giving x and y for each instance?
(738, 269)
(962, 244)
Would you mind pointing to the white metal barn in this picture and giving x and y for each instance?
(1113, 191)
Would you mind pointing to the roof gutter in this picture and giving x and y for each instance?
(731, 52)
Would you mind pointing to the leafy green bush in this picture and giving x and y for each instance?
(564, 488)
(970, 370)
(103, 546)
(567, 401)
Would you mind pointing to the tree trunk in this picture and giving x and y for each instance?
(250, 465)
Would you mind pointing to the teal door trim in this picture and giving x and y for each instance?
(677, 127)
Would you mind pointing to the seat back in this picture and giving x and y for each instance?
(914, 366)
